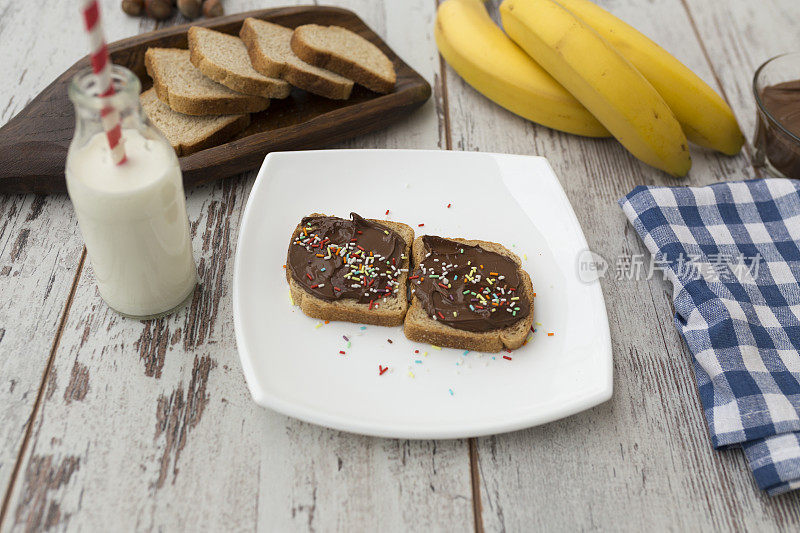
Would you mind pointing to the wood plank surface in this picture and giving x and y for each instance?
(40, 246)
(644, 457)
(150, 425)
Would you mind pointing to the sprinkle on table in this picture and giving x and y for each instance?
(448, 206)
(389, 341)
(382, 370)
(342, 352)
(387, 211)
(363, 328)
(436, 347)
(550, 334)
(450, 390)
(506, 357)
(345, 338)
(319, 325)
(465, 352)
(420, 225)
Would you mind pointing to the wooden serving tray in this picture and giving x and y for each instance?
(33, 145)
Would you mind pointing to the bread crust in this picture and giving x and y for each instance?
(236, 105)
(390, 313)
(234, 125)
(301, 79)
(340, 65)
(218, 137)
(419, 327)
(232, 80)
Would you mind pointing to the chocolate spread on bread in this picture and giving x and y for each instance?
(469, 288)
(333, 258)
(783, 103)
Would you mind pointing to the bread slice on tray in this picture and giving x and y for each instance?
(336, 273)
(224, 59)
(185, 89)
(269, 47)
(346, 53)
(468, 294)
(186, 133)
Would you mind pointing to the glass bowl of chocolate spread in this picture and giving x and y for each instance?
(776, 87)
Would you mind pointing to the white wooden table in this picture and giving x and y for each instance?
(107, 422)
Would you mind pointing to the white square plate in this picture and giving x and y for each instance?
(292, 362)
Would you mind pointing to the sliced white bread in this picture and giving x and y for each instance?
(186, 133)
(270, 51)
(185, 89)
(346, 53)
(224, 59)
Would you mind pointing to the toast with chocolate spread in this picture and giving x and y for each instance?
(352, 270)
(468, 294)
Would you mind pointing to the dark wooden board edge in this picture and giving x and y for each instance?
(30, 162)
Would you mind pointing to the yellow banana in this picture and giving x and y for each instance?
(488, 60)
(601, 79)
(705, 117)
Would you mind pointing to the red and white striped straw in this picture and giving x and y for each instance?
(101, 66)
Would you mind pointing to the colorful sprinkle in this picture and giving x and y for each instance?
(448, 206)
(382, 369)
(420, 225)
(506, 357)
(450, 390)
(387, 211)
(550, 334)
(389, 341)
(341, 352)
(436, 347)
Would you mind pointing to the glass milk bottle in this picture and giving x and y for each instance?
(132, 216)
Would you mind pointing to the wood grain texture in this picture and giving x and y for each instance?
(150, 425)
(40, 246)
(644, 457)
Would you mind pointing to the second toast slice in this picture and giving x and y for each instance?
(468, 294)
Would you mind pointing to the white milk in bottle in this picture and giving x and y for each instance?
(132, 216)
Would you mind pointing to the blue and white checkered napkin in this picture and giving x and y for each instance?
(732, 253)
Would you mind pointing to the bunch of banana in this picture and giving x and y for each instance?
(572, 66)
